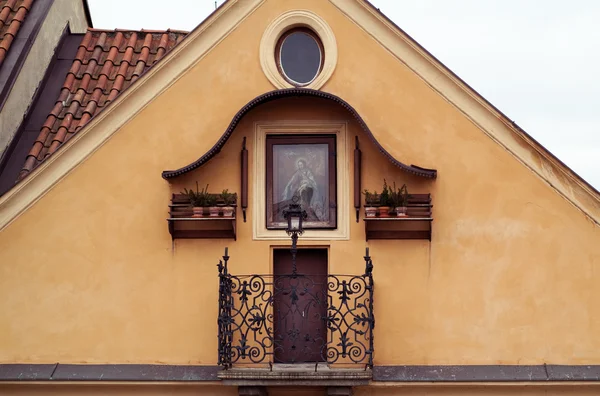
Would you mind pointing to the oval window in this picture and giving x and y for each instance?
(299, 56)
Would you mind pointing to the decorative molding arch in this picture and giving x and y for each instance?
(285, 22)
(284, 93)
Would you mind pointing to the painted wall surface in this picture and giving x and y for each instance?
(89, 273)
(61, 14)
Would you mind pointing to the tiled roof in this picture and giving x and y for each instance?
(12, 15)
(107, 63)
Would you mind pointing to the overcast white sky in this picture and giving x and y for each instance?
(535, 60)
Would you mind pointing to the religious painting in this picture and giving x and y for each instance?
(301, 169)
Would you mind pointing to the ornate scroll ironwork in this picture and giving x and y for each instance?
(262, 318)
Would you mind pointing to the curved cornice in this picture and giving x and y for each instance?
(284, 93)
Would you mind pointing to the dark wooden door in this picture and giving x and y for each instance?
(300, 306)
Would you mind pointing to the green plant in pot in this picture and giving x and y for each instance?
(400, 198)
(228, 200)
(385, 200)
(197, 199)
(211, 202)
(371, 202)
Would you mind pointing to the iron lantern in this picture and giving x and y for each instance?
(294, 216)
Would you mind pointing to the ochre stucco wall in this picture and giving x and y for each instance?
(89, 272)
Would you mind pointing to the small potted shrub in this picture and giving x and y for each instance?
(197, 199)
(211, 202)
(228, 199)
(400, 198)
(385, 200)
(371, 200)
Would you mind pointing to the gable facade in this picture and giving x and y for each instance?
(502, 290)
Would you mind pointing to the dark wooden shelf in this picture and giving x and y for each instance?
(398, 228)
(417, 225)
(183, 224)
(202, 227)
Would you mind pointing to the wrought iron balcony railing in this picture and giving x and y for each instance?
(295, 318)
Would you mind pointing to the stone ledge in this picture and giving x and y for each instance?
(108, 372)
(487, 373)
(296, 375)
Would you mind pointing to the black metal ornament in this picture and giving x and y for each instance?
(254, 323)
(293, 214)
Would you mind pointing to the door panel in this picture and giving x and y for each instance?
(300, 306)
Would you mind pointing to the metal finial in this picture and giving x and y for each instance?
(226, 258)
(368, 263)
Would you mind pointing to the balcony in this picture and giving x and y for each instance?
(315, 329)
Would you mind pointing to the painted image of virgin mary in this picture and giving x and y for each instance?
(303, 185)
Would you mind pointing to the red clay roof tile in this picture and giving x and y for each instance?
(84, 120)
(12, 15)
(30, 161)
(69, 81)
(106, 63)
(45, 133)
(37, 148)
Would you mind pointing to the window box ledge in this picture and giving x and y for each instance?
(416, 225)
(202, 227)
(184, 224)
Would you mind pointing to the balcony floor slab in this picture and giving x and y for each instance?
(297, 375)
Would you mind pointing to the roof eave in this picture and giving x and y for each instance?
(509, 122)
(88, 14)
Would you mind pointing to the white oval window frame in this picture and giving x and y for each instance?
(279, 57)
(285, 22)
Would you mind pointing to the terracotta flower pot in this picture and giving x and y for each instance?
(401, 211)
(384, 211)
(370, 211)
(198, 211)
(214, 211)
(228, 211)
